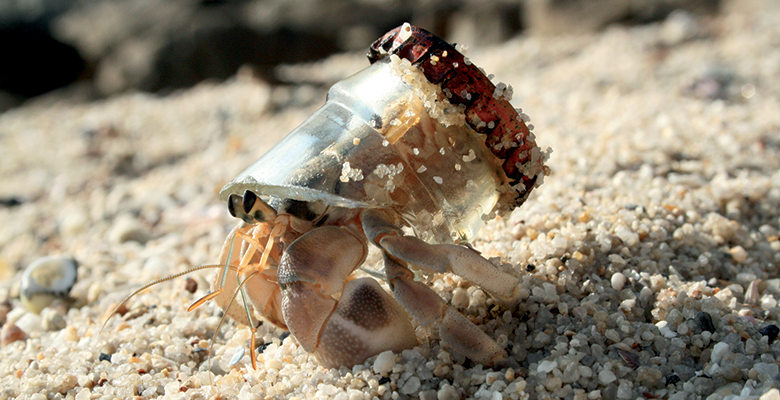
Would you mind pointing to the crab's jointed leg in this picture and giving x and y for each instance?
(422, 302)
(364, 321)
(260, 288)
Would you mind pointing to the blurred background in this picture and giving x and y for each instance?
(91, 49)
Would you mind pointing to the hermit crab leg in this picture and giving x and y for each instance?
(264, 294)
(251, 325)
(422, 302)
(230, 247)
(229, 257)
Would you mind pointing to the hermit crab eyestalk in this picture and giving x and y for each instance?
(250, 208)
(421, 131)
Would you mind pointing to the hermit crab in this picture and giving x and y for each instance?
(412, 155)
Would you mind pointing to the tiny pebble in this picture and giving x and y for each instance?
(84, 394)
(739, 254)
(606, 377)
(127, 228)
(624, 390)
(667, 332)
(770, 331)
(384, 362)
(52, 319)
(412, 385)
(447, 392)
(460, 297)
(47, 279)
(618, 281)
(705, 321)
(11, 333)
(767, 370)
(719, 351)
(547, 366)
(772, 394)
(645, 295)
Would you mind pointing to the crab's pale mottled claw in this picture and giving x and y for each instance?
(364, 321)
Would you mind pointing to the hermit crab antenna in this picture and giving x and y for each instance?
(148, 285)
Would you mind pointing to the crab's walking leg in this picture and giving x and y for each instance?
(261, 289)
(422, 302)
(258, 288)
(363, 322)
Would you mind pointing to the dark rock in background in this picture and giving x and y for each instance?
(159, 45)
(51, 64)
(544, 17)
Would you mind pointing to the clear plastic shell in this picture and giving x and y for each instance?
(374, 145)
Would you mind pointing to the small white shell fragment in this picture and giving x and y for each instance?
(422, 169)
(751, 295)
(46, 279)
(438, 180)
(416, 151)
(406, 32)
(237, 356)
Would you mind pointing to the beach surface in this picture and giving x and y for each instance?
(648, 260)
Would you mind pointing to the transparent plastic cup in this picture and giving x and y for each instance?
(374, 144)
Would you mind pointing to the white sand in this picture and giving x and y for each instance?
(663, 205)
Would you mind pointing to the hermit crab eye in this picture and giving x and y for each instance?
(250, 208)
(232, 200)
(249, 201)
